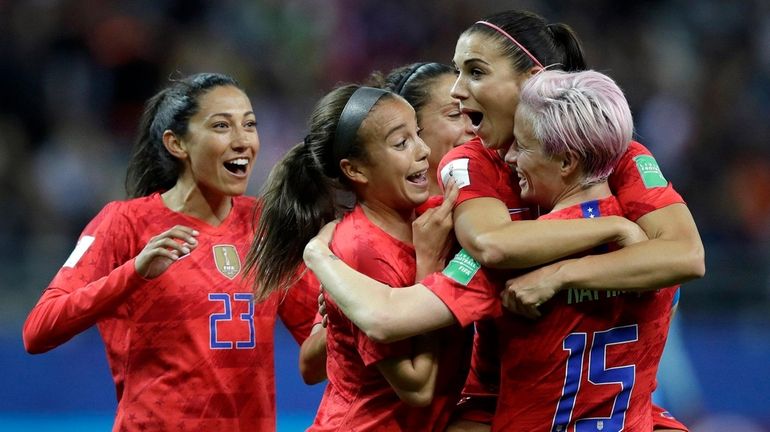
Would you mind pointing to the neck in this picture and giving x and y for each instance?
(577, 193)
(433, 182)
(394, 222)
(191, 200)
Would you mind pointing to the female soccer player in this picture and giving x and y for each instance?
(365, 141)
(494, 58)
(426, 87)
(160, 273)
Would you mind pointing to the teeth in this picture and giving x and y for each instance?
(239, 161)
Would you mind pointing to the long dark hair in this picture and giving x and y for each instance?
(152, 168)
(553, 45)
(304, 191)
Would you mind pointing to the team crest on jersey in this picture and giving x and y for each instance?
(227, 260)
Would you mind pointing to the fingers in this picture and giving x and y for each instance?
(179, 239)
(450, 196)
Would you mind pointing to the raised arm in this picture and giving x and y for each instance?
(484, 228)
(383, 313)
(673, 255)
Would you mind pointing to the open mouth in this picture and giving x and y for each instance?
(418, 177)
(475, 117)
(237, 166)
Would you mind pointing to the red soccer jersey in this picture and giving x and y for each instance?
(483, 173)
(593, 355)
(662, 419)
(189, 349)
(639, 185)
(358, 397)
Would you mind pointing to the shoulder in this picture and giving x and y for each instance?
(473, 149)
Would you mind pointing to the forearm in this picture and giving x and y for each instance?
(383, 313)
(524, 244)
(413, 379)
(312, 356)
(485, 230)
(643, 266)
(60, 315)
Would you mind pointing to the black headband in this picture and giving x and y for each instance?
(408, 77)
(354, 113)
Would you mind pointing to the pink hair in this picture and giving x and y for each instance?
(583, 113)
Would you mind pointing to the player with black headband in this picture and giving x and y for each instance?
(364, 142)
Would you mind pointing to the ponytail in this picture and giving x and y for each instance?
(566, 39)
(151, 168)
(298, 200)
(303, 190)
(528, 40)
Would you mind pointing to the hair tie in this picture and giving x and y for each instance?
(353, 114)
(408, 77)
(504, 33)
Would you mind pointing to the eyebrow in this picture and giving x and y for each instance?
(228, 115)
(394, 129)
(474, 59)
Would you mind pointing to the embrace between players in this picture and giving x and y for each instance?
(495, 252)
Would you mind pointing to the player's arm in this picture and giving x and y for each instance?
(299, 310)
(88, 287)
(312, 356)
(382, 313)
(673, 255)
(413, 378)
(484, 228)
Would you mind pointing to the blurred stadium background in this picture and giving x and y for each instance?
(74, 74)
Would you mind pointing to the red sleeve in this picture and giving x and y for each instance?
(473, 168)
(662, 419)
(95, 279)
(470, 291)
(299, 306)
(639, 184)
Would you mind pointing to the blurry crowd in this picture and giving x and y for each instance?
(74, 75)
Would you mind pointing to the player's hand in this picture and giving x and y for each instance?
(164, 249)
(525, 294)
(322, 308)
(432, 233)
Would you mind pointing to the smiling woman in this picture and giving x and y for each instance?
(364, 141)
(159, 274)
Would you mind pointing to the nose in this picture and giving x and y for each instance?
(512, 155)
(422, 151)
(244, 138)
(458, 90)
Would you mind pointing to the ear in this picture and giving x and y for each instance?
(354, 171)
(174, 145)
(569, 165)
(534, 70)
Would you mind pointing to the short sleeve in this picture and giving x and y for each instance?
(639, 184)
(470, 291)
